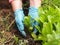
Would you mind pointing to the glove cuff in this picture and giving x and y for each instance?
(19, 12)
(33, 12)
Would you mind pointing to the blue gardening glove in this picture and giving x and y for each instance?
(33, 13)
(19, 17)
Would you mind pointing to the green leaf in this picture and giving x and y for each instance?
(34, 35)
(27, 21)
(47, 28)
(58, 27)
(16, 39)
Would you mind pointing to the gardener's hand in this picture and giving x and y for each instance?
(10, 1)
(33, 12)
(19, 17)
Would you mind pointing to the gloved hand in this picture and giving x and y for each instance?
(33, 13)
(19, 17)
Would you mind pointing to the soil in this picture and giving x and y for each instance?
(8, 26)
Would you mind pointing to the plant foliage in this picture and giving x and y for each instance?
(49, 21)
